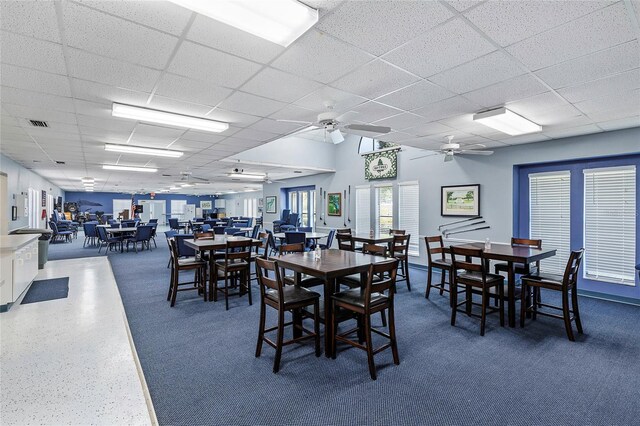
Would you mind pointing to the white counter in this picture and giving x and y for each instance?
(18, 266)
(14, 242)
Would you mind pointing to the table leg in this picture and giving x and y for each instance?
(213, 294)
(511, 294)
(329, 285)
(296, 315)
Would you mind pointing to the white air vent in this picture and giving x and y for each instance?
(38, 123)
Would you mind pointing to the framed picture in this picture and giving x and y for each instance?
(334, 204)
(14, 212)
(270, 204)
(206, 205)
(460, 200)
(260, 203)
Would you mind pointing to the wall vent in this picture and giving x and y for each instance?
(60, 162)
(38, 123)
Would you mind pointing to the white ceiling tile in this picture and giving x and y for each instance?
(33, 19)
(106, 94)
(251, 104)
(401, 121)
(342, 101)
(105, 123)
(597, 65)
(599, 30)
(612, 103)
(415, 96)
(179, 107)
(462, 5)
(523, 139)
(35, 99)
(232, 40)
(622, 123)
(375, 79)
(373, 111)
(162, 15)
(492, 68)
(622, 85)
(95, 68)
(613, 114)
(395, 137)
(97, 110)
(573, 131)
(56, 130)
(37, 81)
(428, 129)
(278, 127)
(185, 89)
(116, 38)
(35, 113)
(278, 85)
(447, 108)
(320, 57)
(466, 124)
(32, 53)
(451, 44)
(203, 137)
(203, 63)
(155, 136)
(514, 89)
(255, 135)
(100, 135)
(379, 26)
(508, 22)
(292, 112)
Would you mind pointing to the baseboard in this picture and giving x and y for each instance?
(609, 297)
(6, 307)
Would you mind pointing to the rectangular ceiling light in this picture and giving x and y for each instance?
(507, 122)
(278, 21)
(167, 118)
(129, 168)
(128, 149)
(246, 176)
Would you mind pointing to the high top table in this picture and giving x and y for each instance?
(333, 264)
(511, 255)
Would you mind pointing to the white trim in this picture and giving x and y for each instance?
(410, 182)
(363, 187)
(382, 185)
(393, 148)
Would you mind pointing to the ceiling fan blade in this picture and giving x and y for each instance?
(426, 155)
(305, 131)
(474, 152)
(352, 128)
(200, 178)
(296, 121)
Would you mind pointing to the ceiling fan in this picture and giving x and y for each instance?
(238, 173)
(333, 124)
(187, 179)
(267, 180)
(449, 149)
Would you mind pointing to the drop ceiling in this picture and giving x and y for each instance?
(420, 67)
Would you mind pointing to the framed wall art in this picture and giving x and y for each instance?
(460, 200)
(270, 204)
(334, 204)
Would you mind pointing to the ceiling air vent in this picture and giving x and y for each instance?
(38, 123)
(60, 162)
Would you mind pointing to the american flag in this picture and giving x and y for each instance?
(133, 207)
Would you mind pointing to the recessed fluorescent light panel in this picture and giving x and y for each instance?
(128, 149)
(167, 118)
(278, 21)
(245, 176)
(129, 168)
(506, 121)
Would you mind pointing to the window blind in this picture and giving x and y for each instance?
(610, 224)
(363, 209)
(409, 213)
(384, 208)
(549, 216)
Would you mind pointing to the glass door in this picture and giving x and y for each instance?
(303, 202)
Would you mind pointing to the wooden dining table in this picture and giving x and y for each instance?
(131, 230)
(332, 265)
(307, 235)
(218, 242)
(511, 255)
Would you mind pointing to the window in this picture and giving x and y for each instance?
(177, 208)
(250, 207)
(549, 213)
(610, 224)
(384, 208)
(409, 213)
(33, 207)
(302, 200)
(367, 145)
(363, 209)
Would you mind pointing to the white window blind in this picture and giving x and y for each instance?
(610, 224)
(363, 209)
(409, 213)
(549, 216)
(384, 208)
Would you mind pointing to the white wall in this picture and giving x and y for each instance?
(494, 173)
(234, 203)
(19, 180)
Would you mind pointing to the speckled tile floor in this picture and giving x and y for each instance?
(69, 361)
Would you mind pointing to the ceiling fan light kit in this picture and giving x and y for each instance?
(167, 118)
(506, 121)
(128, 149)
(129, 168)
(278, 21)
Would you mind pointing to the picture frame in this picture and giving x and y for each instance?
(14, 212)
(270, 204)
(334, 204)
(460, 200)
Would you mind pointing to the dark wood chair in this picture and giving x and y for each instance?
(190, 264)
(474, 276)
(283, 298)
(302, 280)
(260, 250)
(376, 296)
(397, 232)
(519, 268)
(235, 267)
(343, 231)
(437, 260)
(400, 250)
(567, 284)
(345, 242)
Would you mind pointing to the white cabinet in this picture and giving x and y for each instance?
(18, 266)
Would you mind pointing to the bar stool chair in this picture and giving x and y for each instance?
(435, 246)
(345, 241)
(190, 264)
(400, 250)
(283, 298)
(302, 280)
(567, 283)
(234, 267)
(377, 296)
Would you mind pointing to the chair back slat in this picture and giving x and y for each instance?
(573, 266)
(291, 248)
(209, 235)
(294, 237)
(468, 265)
(397, 231)
(385, 272)
(343, 231)
(269, 277)
(524, 242)
(345, 241)
(374, 250)
(183, 249)
(400, 244)
(435, 245)
(238, 250)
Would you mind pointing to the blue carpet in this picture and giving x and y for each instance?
(60, 250)
(198, 360)
(50, 289)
